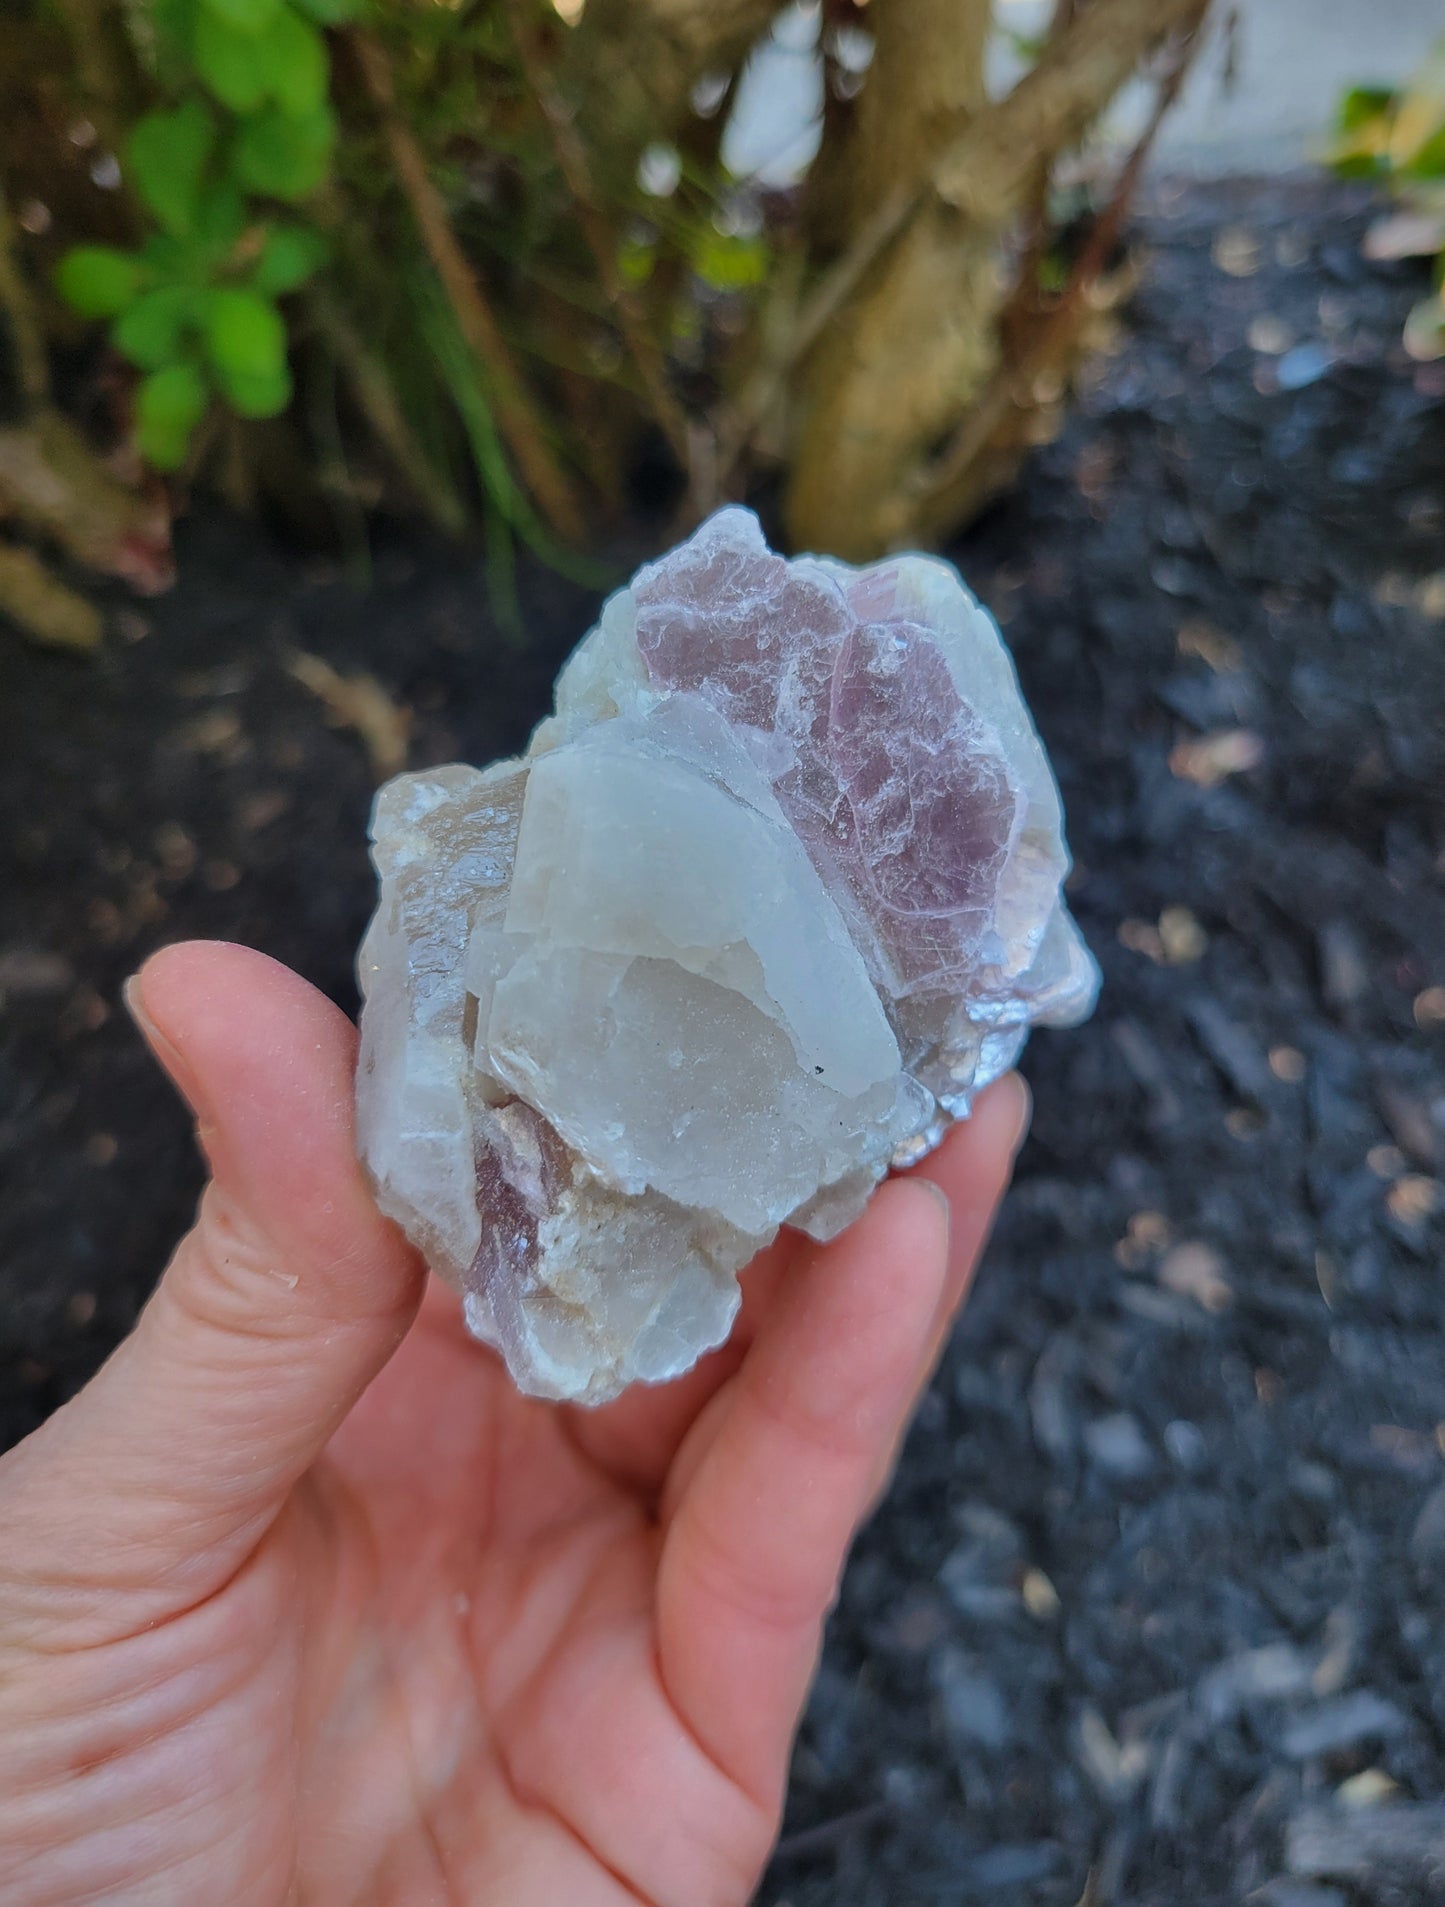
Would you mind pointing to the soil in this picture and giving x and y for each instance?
(1162, 1570)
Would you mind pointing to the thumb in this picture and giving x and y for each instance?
(277, 1310)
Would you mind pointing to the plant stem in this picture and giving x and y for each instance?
(376, 396)
(601, 241)
(517, 419)
(27, 334)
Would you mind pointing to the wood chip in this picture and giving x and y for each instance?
(1221, 652)
(1142, 937)
(1195, 1270)
(1413, 1198)
(1238, 252)
(1214, 758)
(1040, 1597)
(1269, 335)
(1145, 1236)
(1368, 1844)
(1181, 937)
(1409, 234)
(359, 702)
(1367, 1789)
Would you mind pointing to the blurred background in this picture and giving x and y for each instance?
(349, 353)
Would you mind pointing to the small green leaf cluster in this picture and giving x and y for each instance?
(194, 308)
(1397, 136)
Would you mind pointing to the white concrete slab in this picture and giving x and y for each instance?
(1261, 98)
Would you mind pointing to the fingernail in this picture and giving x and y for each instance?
(165, 1049)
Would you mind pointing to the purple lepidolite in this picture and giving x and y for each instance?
(773, 892)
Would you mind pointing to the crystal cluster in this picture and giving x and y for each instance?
(771, 895)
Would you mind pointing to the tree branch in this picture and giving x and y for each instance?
(899, 363)
(1052, 334)
(987, 168)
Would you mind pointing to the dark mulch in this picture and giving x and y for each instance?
(1164, 1567)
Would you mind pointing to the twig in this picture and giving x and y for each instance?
(986, 416)
(27, 336)
(516, 418)
(631, 320)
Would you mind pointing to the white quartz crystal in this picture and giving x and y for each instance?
(771, 895)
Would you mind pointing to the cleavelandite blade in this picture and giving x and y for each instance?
(773, 892)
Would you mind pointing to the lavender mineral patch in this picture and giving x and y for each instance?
(772, 894)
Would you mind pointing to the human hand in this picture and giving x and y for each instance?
(301, 1602)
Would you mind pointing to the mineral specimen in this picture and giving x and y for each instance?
(771, 895)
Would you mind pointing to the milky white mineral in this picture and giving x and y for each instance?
(772, 894)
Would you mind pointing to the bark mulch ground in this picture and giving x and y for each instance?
(1155, 1614)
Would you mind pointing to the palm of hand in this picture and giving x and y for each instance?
(377, 1629)
(494, 1681)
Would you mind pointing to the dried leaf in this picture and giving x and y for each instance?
(1195, 1270)
(1413, 1198)
(41, 605)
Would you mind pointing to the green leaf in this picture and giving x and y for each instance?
(220, 221)
(1429, 161)
(730, 264)
(249, 16)
(289, 256)
(285, 60)
(99, 281)
(299, 63)
(172, 22)
(168, 406)
(1425, 330)
(636, 260)
(1361, 104)
(284, 155)
(330, 12)
(245, 335)
(158, 327)
(235, 62)
(165, 158)
(257, 396)
(166, 257)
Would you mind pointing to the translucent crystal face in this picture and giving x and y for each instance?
(770, 896)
